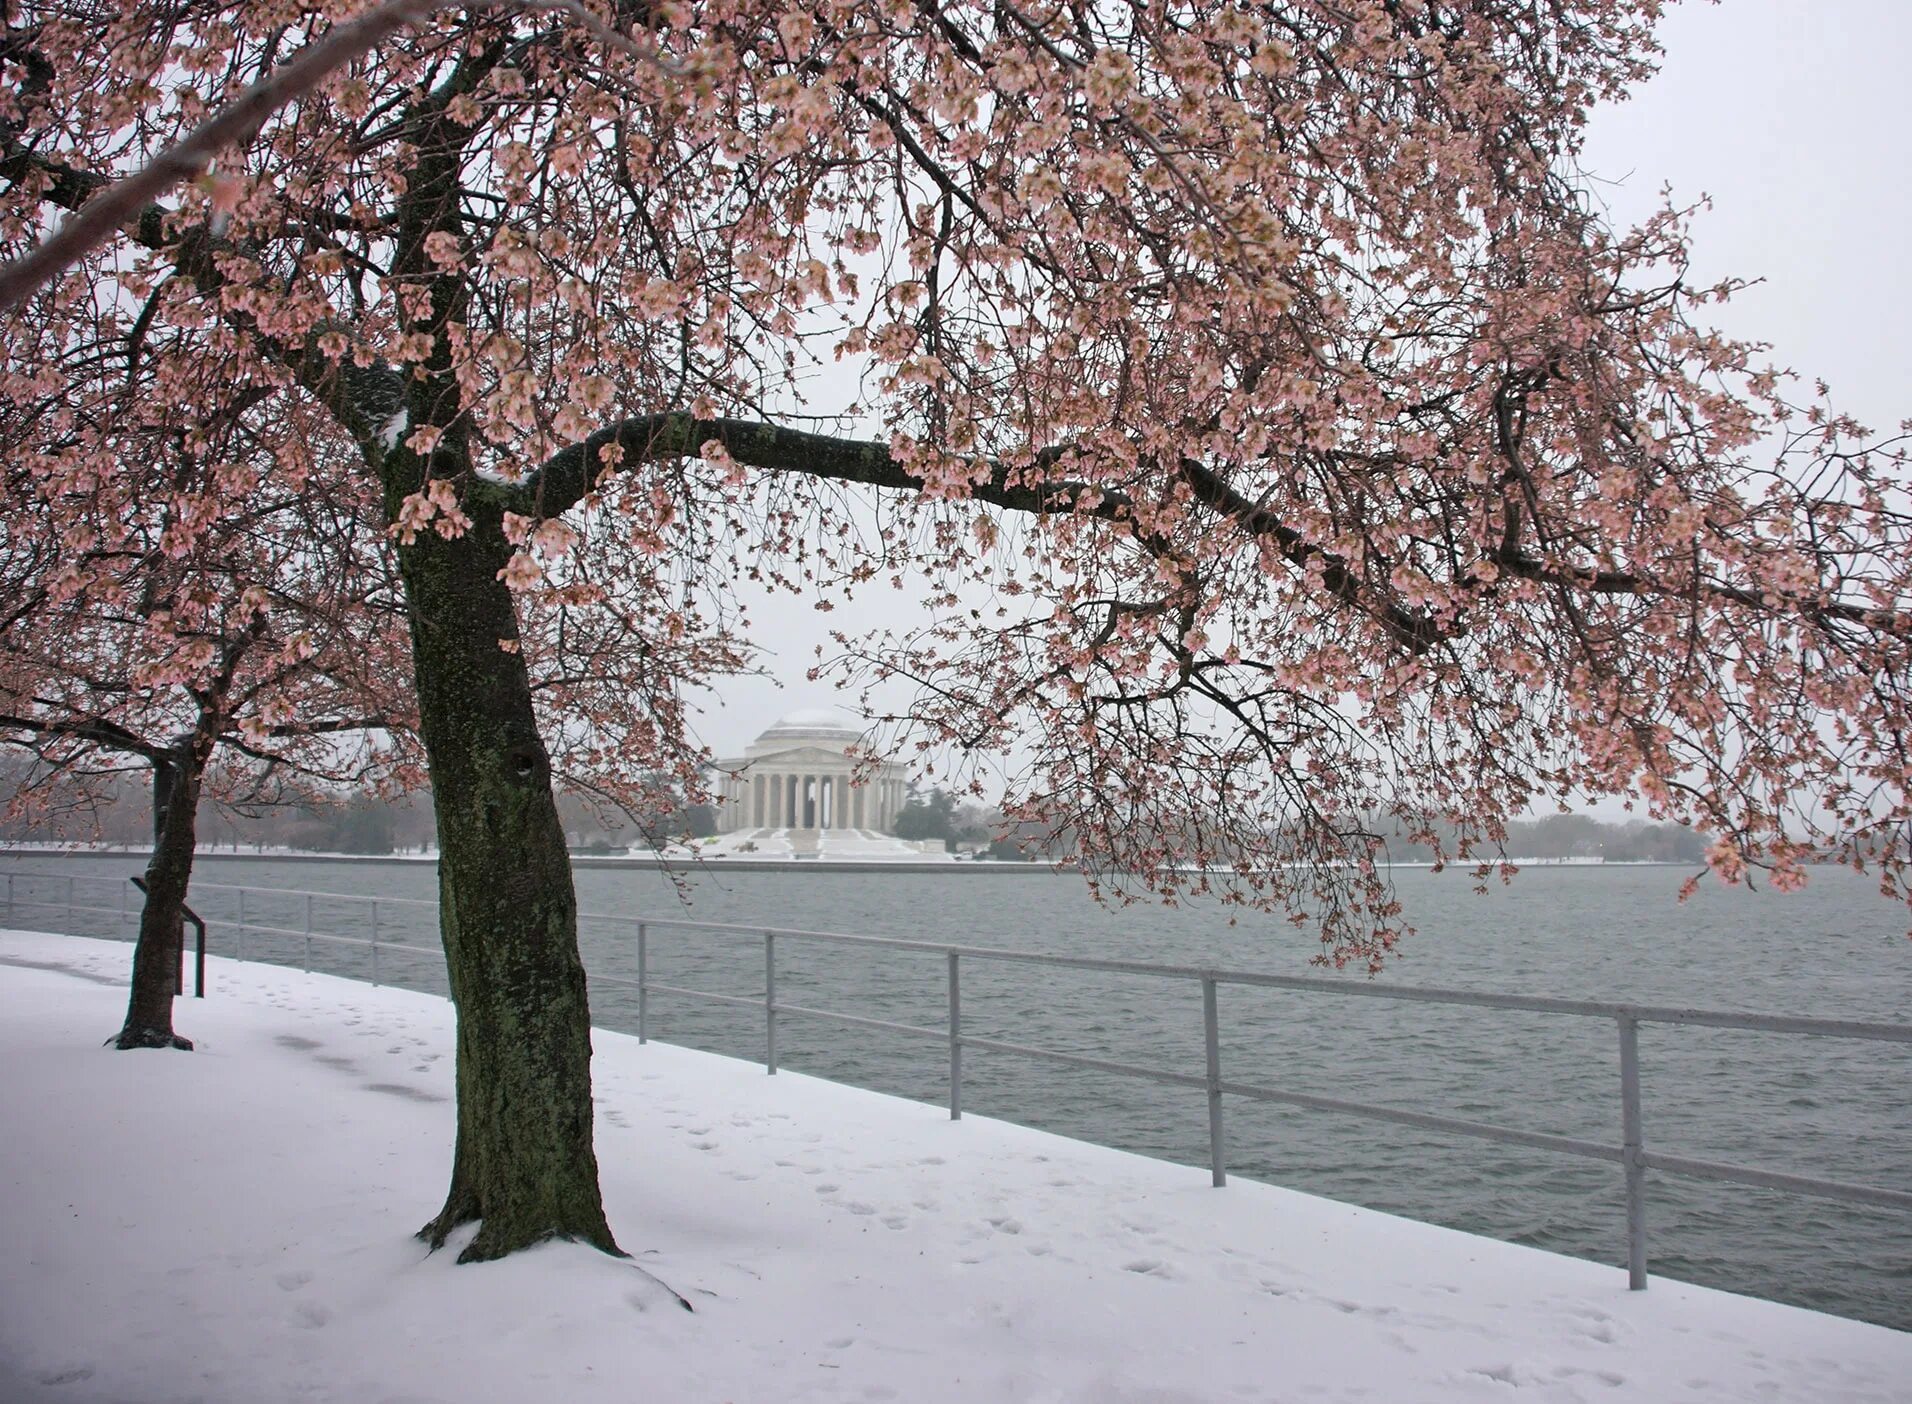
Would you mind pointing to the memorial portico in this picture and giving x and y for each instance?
(799, 775)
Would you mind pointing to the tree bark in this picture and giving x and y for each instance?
(149, 1007)
(525, 1166)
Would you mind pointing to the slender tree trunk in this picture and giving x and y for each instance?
(149, 1009)
(525, 1165)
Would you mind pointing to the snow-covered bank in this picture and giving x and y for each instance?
(234, 1225)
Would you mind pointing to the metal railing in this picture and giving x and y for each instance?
(1631, 1154)
(199, 949)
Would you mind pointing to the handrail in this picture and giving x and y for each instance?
(1315, 984)
(1631, 1154)
(199, 949)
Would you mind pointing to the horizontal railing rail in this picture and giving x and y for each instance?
(1631, 1153)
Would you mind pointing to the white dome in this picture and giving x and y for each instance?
(815, 719)
(825, 728)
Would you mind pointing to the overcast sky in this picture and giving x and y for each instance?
(1792, 115)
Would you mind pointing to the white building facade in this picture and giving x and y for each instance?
(798, 775)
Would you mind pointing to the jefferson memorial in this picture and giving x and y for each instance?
(797, 775)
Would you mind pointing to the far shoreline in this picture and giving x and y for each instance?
(693, 865)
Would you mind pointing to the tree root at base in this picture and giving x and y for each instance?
(491, 1244)
(131, 1037)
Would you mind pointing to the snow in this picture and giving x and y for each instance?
(820, 845)
(393, 429)
(868, 846)
(233, 1225)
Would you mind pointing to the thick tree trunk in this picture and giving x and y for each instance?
(525, 1166)
(149, 1009)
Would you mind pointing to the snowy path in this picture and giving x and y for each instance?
(232, 1226)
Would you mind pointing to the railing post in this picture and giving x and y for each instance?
(770, 1004)
(643, 986)
(955, 1041)
(375, 942)
(1211, 1038)
(1632, 1150)
(242, 923)
(308, 933)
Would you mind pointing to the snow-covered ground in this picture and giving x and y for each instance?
(825, 845)
(233, 1226)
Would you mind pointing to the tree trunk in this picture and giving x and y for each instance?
(149, 1008)
(525, 1166)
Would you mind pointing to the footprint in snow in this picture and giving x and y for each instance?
(1605, 1377)
(72, 1374)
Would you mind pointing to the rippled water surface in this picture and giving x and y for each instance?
(1826, 1107)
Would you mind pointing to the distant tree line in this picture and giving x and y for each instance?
(1580, 836)
(117, 809)
(934, 813)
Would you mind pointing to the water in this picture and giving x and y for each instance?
(1825, 1107)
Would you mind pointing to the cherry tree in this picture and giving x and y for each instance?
(234, 654)
(1326, 464)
